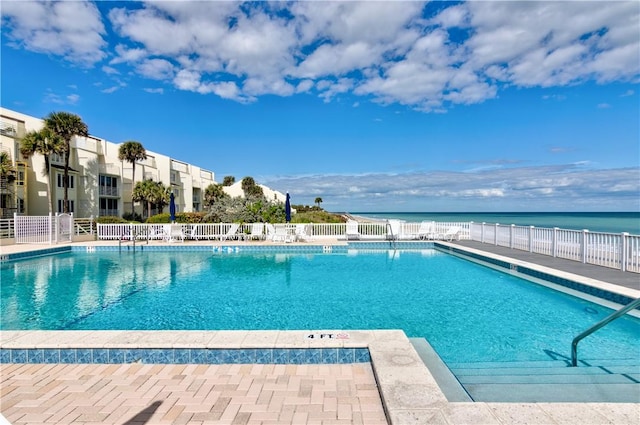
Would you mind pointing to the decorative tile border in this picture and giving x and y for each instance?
(567, 283)
(186, 355)
(37, 253)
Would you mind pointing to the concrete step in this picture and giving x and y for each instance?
(548, 378)
(546, 363)
(553, 380)
(633, 371)
(614, 381)
(555, 393)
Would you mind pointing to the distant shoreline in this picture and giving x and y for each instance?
(607, 222)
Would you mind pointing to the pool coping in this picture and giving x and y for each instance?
(409, 392)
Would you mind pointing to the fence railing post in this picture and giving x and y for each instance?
(623, 251)
(495, 234)
(585, 237)
(482, 232)
(50, 228)
(554, 243)
(530, 238)
(511, 236)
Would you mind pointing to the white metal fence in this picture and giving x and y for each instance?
(47, 229)
(614, 250)
(318, 231)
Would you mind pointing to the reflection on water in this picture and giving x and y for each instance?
(467, 312)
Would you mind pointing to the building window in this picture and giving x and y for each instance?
(108, 207)
(56, 158)
(61, 205)
(61, 180)
(108, 185)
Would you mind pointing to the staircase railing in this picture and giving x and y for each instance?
(613, 316)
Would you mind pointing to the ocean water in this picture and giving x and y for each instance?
(613, 222)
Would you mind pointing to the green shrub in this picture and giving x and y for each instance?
(182, 217)
(159, 219)
(316, 216)
(132, 217)
(110, 219)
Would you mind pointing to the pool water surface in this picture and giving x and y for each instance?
(467, 312)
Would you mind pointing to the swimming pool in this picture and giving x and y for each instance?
(467, 312)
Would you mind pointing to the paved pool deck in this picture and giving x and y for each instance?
(395, 387)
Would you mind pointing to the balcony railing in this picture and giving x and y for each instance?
(108, 191)
(109, 212)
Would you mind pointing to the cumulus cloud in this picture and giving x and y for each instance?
(155, 91)
(69, 99)
(73, 30)
(518, 187)
(403, 53)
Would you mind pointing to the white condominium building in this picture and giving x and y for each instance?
(99, 183)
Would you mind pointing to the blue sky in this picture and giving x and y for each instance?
(373, 106)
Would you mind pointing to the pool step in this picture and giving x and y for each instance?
(551, 381)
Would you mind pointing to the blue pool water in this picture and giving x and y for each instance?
(466, 311)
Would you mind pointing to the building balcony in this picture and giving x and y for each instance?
(108, 191)
(109, 212)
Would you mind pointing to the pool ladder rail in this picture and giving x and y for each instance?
(393, 238)
(613, 316)
(132, 237)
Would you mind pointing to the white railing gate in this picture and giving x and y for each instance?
(48, 229)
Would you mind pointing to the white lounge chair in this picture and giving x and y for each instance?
(173, 232)
(451, 234)
(193, 232)
(352, 231)
(257, 231)
(279, 233)
(426, 230)
(303, 232)
(231, 233)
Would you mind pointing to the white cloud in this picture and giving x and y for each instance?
(69, 99)
(156, 90)
(388, 52)
(515, 187)
(114, 88)
(156, 69)
(109, 70)
(73, 30)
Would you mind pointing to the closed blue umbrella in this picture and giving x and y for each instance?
(287, 209)
(172, 208)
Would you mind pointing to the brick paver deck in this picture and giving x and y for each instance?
(190, 394)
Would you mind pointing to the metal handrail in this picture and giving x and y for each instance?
(613, 316)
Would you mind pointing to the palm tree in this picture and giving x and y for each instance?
(7, 173)
(153, 193)
(318, 201)
(132, 151)
(143, 192)
(6, 165)
(228, 180)
(44, 142)
(66, 125)
(212, 193)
